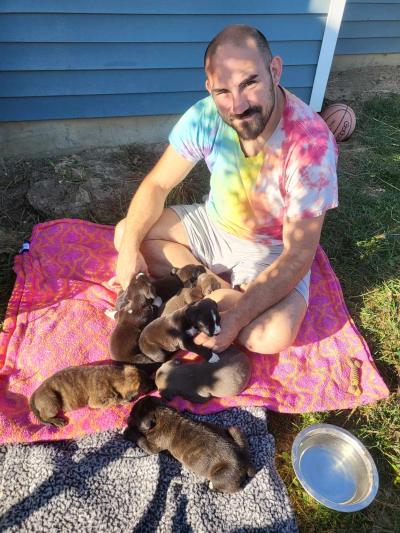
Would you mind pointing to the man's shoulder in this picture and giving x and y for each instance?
(299, 120)
(203, 109)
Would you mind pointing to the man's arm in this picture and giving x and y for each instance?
(146, 208)
(300, 241)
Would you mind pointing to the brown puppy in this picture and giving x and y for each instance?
(86, 386)
(199, 382)
(220, 455)
(170, 333)
(179, 278)
(206, 284)
(135, 313)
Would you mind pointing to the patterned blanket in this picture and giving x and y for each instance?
(56, 318)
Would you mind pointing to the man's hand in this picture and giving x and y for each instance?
(229, 332)
(127, 266)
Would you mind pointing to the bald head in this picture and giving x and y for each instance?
(239, 35)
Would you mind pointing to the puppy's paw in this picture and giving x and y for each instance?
(130, 434)
(214, 358)
(165, 395)
(157, 301)
(58, 422)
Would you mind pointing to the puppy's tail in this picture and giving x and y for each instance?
(243, 444)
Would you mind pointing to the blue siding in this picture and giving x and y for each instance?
(165, 7)
(120, 105)
(370, 28)
(60, 83)
(73, 59)
(131, 56)
(76, 28)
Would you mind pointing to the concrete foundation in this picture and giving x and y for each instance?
(347, 62)
(56, 137)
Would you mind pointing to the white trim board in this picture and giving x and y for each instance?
(328, 45)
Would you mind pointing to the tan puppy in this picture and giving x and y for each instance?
(220, 455)
(135, 313)
(86, 386)
(206, 284)
(199, 382)
(170, 285)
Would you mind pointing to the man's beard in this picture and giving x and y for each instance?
(251, 129)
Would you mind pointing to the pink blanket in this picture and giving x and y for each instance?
(56, 318)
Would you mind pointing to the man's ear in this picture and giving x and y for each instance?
(208, 85)
(276, 69)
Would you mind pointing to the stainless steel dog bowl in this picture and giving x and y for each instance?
(334, 467)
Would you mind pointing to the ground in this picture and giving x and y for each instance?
(361, 239)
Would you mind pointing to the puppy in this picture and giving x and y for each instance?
(134, 314)
(86, 386)
(199, 382)
(179, 278)
(170, 333)
(220, 455)
(125, 298)
(206, 284)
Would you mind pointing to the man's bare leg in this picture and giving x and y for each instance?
(167, 245)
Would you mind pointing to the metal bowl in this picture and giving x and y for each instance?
(334, 467)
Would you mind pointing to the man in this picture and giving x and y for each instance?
(273, 176)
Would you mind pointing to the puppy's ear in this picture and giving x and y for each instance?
(190, 313)
(200, 270)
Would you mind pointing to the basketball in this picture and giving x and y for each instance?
(340, 119)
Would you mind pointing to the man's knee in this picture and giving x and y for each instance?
(275, 331)
(267, 341)
(118, 233)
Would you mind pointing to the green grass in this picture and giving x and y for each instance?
(362, 240)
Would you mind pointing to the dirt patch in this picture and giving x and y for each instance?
(355, 86)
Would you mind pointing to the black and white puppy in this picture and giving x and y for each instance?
(220, 455)
(136, 312)
(167, 334)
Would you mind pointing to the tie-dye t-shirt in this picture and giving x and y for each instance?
(293, 176)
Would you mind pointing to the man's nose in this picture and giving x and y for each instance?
(239, 104)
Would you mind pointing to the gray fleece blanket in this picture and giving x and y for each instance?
(103, 483)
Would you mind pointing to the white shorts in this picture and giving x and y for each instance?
(224, 253)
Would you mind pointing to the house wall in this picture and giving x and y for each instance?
(369, 34)
(114, 58)
(77, 74)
